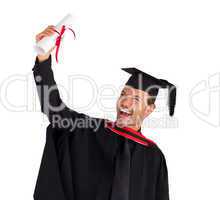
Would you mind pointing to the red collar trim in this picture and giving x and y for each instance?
(133, 131)
(129, 133)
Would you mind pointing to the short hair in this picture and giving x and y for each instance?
(151, 100)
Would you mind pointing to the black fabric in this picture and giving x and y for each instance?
(142, 81)
(85, 162)
(131, 134)
(120, 190)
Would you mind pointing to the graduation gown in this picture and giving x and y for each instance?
(95, 162)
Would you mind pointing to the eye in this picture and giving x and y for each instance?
(122, 93)
(136, 98)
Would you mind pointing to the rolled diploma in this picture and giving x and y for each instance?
(46, 43)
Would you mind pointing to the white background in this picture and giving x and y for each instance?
(175, 40)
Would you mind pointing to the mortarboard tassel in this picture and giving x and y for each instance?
(171, 95)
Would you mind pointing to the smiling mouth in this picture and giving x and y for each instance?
(124, 112)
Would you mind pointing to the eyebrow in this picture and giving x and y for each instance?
(136, 96)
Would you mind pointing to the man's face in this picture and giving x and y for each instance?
(132, 107)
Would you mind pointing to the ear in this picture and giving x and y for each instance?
(149, 109)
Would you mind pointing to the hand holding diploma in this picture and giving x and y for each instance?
(51, 37)
(49, 31)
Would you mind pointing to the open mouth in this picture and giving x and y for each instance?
(124, 112)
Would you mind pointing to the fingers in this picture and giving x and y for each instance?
(40, 36)
(50, 30)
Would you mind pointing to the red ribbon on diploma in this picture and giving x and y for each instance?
(59, 37)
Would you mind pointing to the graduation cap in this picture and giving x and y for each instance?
(151, 85)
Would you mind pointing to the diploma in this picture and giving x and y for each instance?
(47, 42)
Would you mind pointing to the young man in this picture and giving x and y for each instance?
(99, 159)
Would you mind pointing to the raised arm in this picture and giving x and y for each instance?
(50, 100)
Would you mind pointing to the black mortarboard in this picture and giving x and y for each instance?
(143, 81)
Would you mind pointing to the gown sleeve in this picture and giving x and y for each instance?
(162, 189)
(49, 96)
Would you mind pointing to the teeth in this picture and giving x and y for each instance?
(125, 110)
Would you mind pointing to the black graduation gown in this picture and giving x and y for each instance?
(80, 163)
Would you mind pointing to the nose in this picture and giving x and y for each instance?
(126, 102)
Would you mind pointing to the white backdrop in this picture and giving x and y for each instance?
(175, 40)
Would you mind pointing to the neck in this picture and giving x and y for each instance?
(134, 127)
